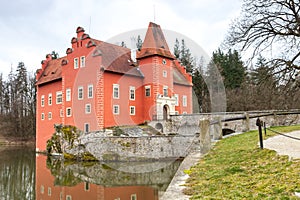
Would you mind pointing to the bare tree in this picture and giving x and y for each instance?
(272, 25)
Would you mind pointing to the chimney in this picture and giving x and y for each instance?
(133, 55)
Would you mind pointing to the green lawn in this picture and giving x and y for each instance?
(236, 168)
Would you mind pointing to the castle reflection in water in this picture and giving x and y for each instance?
(72, 181)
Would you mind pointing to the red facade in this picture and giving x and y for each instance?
(98, 85)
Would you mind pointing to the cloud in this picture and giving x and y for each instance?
(31, 29)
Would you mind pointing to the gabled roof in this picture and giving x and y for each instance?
(179, 78)
(117, 59)
(52, 71)
(154, 43)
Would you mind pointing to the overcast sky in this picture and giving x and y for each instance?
(32, 28)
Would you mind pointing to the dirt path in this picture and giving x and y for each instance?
(285, 145)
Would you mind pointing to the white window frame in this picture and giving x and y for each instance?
(86, 131)
(76, 63)
(68, 197)
(42, 189)
(165, 73)
(59, 97)
(68, 108)
(42, 100)
(132, 93)
(148, 88)
(133, 197)
(49, 115)
(118, 109)
(80, 88)
(177, 99)
(88, 108)
(50, 99)
(49, 191)
(68, 94)
(90, 91)
(184, 101)
(82, 61)
(43, 116)
(116, 91)
(86, 184)
(165, 91)
(132, 108)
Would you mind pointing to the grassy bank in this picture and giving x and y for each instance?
(237, 169)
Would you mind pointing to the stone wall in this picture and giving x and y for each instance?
(189, 124)
(134, 148)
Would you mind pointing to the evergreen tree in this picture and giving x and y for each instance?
(54, 55)
(177, 49)
(123, 44)
(139, 43)
(231, 68)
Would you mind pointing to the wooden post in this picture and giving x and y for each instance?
(259, 123)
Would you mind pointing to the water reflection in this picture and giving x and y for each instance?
(17, 173)
(94, 180)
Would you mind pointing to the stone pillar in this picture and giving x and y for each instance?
(217, 129)
(246, 123)
(205, 141)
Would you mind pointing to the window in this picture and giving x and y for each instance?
(116, 91)
(86, 130)
(86, 185)
(49, 115)
(176, 98)
(80, 93)
(50, 99)
(132, 110)
(133, 197)
(165, 73)
(42, 190)
(87, 108)
(69, 112)
(165, 90)
(68, 197)
(68, 94)
(148, 91)
(42, 100)
(42, 116)
(132, 93)
(58, 97)
(75, 63)
(116, 109)
(82, 61)
(164, 61)
(117, 198)
(184, 101)
(61, 113)
(49, 191)
(90, 91)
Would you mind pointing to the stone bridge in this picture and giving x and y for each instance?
(225, 123)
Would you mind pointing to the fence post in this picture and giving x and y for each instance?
(265, 128)
(205, 141)
(259, 123)
(217, 129)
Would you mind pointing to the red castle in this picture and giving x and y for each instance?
(99, 85)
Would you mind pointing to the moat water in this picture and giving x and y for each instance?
(27, 175)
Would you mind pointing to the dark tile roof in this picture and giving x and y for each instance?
(179, 78)
(117, 59)
(51, 72)
(154, 43)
